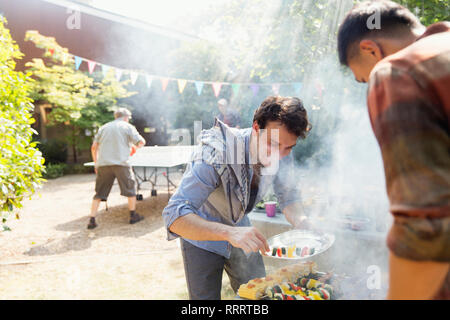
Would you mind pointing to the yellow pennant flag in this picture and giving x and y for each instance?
(181, 85)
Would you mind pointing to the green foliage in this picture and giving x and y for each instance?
(266, 42)
(77, 168)
(53, 151)
(278, 41)
(54, 170)
(21, 163)
(195, 61)
(80, 101)
(429, 11)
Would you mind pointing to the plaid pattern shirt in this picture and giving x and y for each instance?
(409, 108)
(217, 184)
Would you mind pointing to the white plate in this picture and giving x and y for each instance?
(301, 238)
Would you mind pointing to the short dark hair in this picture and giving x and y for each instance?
(393, 18)
(287, 110)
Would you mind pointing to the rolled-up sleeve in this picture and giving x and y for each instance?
(134, 136)
(286, 183)
(199, 180)
(98, 135)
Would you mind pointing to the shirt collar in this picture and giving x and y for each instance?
(247, 135)
(436, 28)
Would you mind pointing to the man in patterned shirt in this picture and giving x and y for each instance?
(407, 67)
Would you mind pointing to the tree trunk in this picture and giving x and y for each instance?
(74, 145)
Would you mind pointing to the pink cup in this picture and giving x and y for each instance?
(271, 208)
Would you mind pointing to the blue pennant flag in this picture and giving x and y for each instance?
(78, 61)
(105, 69)
(199, 86)
(297, 86)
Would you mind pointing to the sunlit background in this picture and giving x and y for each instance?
(175, 14)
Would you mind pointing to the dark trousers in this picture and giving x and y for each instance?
(204, 270)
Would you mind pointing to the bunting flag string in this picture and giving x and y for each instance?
(297, 86)
(235, 87)
(182, 83)
(216, 87)
(276, 88)
(199, 86)
(255, 89)
(78, 61)
(91, 66)
(133, 77)
(148, 80)
(105, 70)
(64, 58)
(118, 74)
(164, 83)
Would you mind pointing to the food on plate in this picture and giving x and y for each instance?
(292, 252)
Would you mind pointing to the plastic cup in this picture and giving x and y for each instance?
(271, 208)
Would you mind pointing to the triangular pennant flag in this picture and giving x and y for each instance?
(118, 74)
(149, 80)
(105, 70)
(133, 77)
(319, 88)
(78, 62)
(64, 58)
(276, 88)
(216, 87)
(199, 86)
(91, 66)
(181, 85)
(297, 86)
(164, 83)
(235, 87)
(255, 89)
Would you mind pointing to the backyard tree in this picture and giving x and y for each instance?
(80, 101)
(267, 42)
(21, 164)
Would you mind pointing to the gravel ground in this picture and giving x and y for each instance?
(50, 254)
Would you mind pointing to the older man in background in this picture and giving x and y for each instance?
(228, 115)
(111, 151)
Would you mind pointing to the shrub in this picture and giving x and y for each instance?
(21, 163)
(54, 151)
(54, 170)
(78, 169)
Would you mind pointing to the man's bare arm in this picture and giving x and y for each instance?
(295, 215)
(193, 227)
(94, 149)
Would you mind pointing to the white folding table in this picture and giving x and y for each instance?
(150, 162)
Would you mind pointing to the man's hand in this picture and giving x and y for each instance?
(294, 214)
(140, 144)
(301, 222)
(248, 239)
(133, 150)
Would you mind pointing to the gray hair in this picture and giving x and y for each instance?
(222, 102)
(121, 113)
